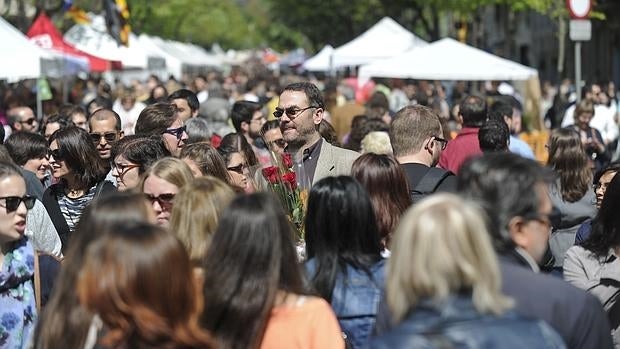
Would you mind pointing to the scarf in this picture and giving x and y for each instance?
(17, 301)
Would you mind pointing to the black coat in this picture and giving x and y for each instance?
(53, 209)
(576, 315)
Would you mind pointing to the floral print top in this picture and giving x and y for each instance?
(17, 302)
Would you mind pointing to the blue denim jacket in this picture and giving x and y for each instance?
(355, 300)
(456, 324)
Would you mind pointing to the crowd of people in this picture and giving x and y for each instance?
(139, 218)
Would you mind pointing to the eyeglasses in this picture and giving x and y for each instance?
(291, 112)
(108, 136)
(56, 154)
(164, 200)
(177, 132)
(123, 169)
(12, 202)
(279, 142)
(29, 121)
(552, 219)
(442, 141)
(239, 168)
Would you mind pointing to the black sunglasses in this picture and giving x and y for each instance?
(56, 154)
(165, 200)
(280, 143)
(177, 132)
(29, 121)
(291, 112)
(239, 168)
(12, 202)
(108, 136)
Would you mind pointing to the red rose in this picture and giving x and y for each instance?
(291, 179)
(287, 160)
(271, 174)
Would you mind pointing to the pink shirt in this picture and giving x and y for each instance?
(461, 148)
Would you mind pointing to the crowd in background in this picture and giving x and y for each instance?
(141, 216)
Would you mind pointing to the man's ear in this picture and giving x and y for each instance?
(121, 134)
(516, 229)
(317, 116)
(459, 119)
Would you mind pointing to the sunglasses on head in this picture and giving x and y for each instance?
(29, 121)
(108, 136)
(291, 112)
(177, 132)
(56, 154)
(12, 202)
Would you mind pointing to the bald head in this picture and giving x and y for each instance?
(22, 119)
(105, 114)
(105, 130)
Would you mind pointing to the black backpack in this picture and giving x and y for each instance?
(429, 183)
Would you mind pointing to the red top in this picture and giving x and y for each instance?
(461, 148)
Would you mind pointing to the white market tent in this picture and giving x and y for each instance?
(319, 61)
(447, 59)
(22, 59)
(383, 40)
(94, 39)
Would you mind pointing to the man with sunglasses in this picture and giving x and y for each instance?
(105, 129)
(162, 119)
(300, 111)
(22, 119)
(415, 134)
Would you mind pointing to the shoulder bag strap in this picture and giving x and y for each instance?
(37, 282)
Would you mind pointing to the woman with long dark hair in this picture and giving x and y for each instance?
(63, 314)
(593, 265)
(571, 193)
(80, 172)
(240, 161)
(253, 286)
(386, 184)
(343, 247)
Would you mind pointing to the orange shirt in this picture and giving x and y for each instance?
(309, 324)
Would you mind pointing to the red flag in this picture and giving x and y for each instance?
(45, 35)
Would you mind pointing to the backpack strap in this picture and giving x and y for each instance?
(431, 180)
(37, 282)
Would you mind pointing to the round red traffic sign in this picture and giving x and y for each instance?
(579, 9)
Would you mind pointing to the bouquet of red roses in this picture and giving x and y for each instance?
(282, 180)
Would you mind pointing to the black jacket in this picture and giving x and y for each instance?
(576, 315)
(53, 209)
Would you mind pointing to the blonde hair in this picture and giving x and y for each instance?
(171, 170)
(196, 211)
(377, 142)
(441, 247)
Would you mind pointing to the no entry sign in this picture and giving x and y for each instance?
(579, 9)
